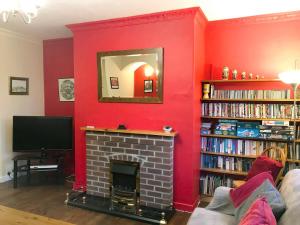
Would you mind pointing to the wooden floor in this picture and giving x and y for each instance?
(47, 200)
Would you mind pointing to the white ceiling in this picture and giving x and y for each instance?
(55, 14)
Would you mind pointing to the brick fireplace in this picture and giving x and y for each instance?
(152, 150)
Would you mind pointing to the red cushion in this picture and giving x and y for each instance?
(259, 213)
(238, 195)
(262, 164)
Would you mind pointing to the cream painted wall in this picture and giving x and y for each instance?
(21, 57)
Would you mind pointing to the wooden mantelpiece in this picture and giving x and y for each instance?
(145, 132)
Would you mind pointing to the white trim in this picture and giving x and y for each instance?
(5, 179)
(27, 38)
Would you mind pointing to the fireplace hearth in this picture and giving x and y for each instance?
(99, 204)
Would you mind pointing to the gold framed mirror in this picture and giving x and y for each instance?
(131, 76)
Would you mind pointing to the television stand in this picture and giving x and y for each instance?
(41, 166)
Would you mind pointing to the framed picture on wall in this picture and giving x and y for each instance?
(148, 86)
(66, 89)
(18, 86)
(114, 82)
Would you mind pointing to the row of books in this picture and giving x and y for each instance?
(209, 183)
(278, 132)
(236, 146)
(249, 94)
(294, 153)
(226, 163)
(248, 110)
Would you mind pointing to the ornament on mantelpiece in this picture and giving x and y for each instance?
(250, 76)
(225, 73)
(234, 74)
(243, 75)
(257, 77)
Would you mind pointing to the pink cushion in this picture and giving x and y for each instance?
(259, 213)
(263, 164)
(238, 195)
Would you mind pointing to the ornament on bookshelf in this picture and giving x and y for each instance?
(234, 74)
(225, 73)
(243, 75)
(206, 89)
(250, 76)
(257, 77)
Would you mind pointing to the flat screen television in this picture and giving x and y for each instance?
(42, 133)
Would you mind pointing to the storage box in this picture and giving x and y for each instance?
(248, 129)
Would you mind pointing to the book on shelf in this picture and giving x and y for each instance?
(298, 132)
(275, 123)
(236, 146)
(249, 110)
(205, 128)
(249, 94)
(209, 183)
(293, 154)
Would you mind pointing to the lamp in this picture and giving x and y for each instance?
(27, 9)
(292, 78)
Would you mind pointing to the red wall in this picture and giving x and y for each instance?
(174, 31)
(264, 45)
(58, 63)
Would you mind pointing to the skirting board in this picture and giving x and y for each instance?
(185, 207)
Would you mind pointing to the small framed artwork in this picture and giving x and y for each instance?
(66, 89)
(114, 83)
(19, 86)
(148, 86)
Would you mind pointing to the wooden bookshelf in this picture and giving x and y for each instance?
(246, 119)
(228, 85)
(229, 172)
(229, 155)
(244, 138)
(240, 81)
(293, 160)
(251, 100)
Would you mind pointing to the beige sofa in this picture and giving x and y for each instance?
(290, 191)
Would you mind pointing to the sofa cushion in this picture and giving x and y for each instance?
(263, 164)
(221, 201)
(240, 194)
(290, 191)
(266, 189)
(259, 213)
(202, 216)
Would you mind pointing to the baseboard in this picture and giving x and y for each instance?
(5, 179)
(186, 207)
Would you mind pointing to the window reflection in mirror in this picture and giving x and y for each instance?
(131, 76)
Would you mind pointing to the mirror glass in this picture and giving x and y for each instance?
(131, 76)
